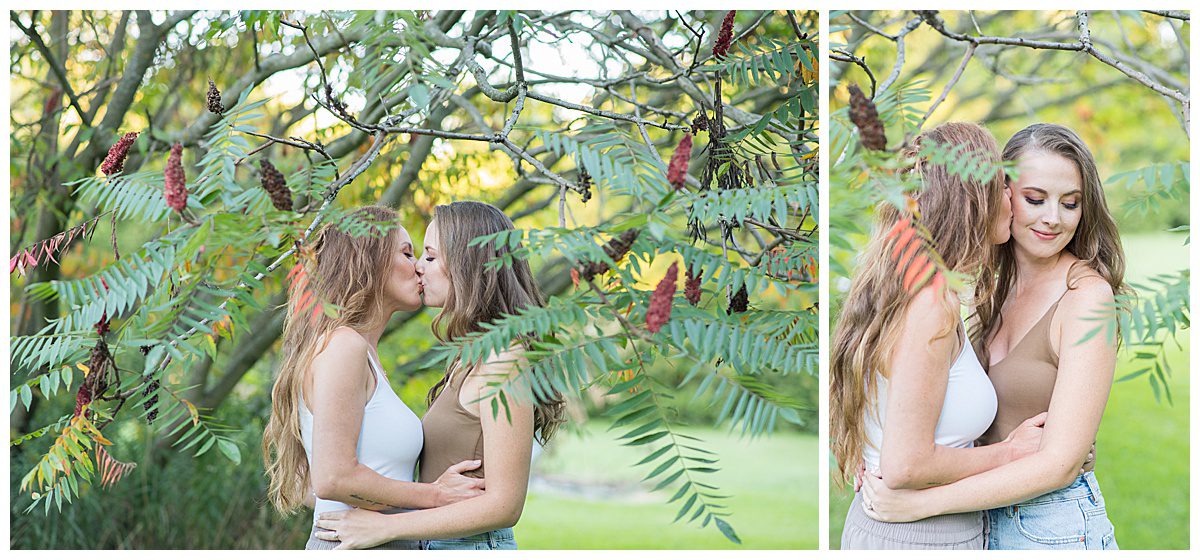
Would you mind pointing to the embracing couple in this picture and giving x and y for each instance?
(966, 437)
(340, 440)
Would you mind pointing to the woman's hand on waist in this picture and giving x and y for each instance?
(353, 528)
(453, 486)
(891, 505)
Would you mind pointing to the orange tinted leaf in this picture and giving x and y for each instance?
(900, 225)
(912, 249)
(903, 240)
(918, 267)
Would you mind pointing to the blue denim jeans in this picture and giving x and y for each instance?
(500, 539)
(1069, 518)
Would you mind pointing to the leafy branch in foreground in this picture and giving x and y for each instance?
(179, 310)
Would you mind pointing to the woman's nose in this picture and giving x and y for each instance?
(1051, 216)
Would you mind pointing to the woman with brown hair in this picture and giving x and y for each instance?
(908, 397)
(468, 418)
(338, 436)
(1062, 267)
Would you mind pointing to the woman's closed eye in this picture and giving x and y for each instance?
(1034, 201)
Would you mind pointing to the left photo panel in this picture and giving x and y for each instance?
(424, 280)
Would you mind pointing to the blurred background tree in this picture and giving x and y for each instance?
(1120, 80)
(564, 120)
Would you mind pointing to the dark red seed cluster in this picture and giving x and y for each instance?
(866, 118)
(659, 311)
(677, 171)
(148, 405)
(585, 184)
(175, 184)
(691, 286)
(102, 324)
(83, 397)
(53, 101)
(615, 249)
(214, 99)
(114, 162)
(275, 185)
(725, 36)
(739, 302)
(700, 122)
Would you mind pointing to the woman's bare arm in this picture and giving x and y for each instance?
(342, 385)
(916, 390)
(508, 446)
(1085, 374)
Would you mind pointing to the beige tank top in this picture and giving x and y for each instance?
(1024, 380)
(452, 433)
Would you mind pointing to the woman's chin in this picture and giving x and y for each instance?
(432, 301)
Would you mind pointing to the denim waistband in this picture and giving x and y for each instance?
(488, 537)
(1084, 486)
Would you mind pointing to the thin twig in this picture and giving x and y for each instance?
(954, 80)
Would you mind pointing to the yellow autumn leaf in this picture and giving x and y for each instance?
(192, 410)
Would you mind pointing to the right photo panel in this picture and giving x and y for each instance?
(1009, 209)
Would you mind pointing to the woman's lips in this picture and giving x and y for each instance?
(1043, 235)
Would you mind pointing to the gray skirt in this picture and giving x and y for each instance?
(959, 531)
(317, 544)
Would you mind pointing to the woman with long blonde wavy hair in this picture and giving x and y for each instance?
(338, 436)
(908, 396)
(468, 418)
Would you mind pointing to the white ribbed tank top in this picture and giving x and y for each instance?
(389, 442)
(967, 411)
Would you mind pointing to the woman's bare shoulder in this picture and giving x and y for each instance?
(1086, 288)
(343, 346)
(931, 310)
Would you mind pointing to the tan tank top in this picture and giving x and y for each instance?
(452, 433)
(1024, 380)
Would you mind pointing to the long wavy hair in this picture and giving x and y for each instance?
(480, 295)
(959, 216)
(1097, 243)
(351, 273)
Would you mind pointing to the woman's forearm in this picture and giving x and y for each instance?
(1012, 483)
(940, 465)
(493, 510)
(360, 486)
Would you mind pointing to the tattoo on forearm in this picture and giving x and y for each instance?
(372, 502)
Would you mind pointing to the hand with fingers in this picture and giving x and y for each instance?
(1026, 438)
(890, 505)
(1090, 461)
(859, 476)
(352, 528)
(453, 486)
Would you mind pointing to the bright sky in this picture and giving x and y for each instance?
(564, 58)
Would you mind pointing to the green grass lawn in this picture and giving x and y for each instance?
(1143, 447)
(771, 481)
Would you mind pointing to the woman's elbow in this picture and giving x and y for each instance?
(326, 488)
(900, 475)
(1064, 473)
(330, 484)
(508, 512)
